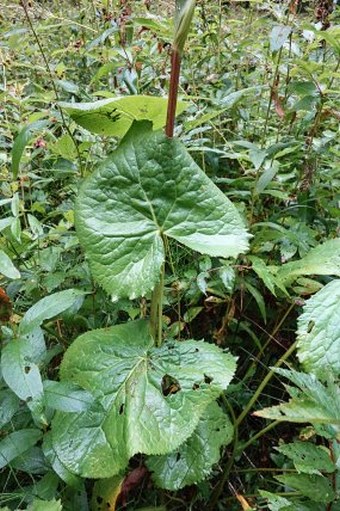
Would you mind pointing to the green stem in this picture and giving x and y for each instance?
(258, 435)
(225, 476)
(156, 312)
(264, 383)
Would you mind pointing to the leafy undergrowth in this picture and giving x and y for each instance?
(259, 114)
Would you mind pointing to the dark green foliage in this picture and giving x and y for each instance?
(259, 114)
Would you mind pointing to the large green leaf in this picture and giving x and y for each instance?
(321, 260)
(148, 399)
(148, 189)
(319, 332)
(193, 460)
(114, 116)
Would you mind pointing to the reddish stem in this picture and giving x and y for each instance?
(173, 93)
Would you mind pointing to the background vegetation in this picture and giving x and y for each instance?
(261, 84)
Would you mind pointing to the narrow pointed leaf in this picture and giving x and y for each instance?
(193, 460)
(151, 397)
(319, 332)
(148, 189)
(25, 135)
(183, 17)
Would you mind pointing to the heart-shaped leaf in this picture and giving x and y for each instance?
(148, 399)
(193, 460)
(148, 189)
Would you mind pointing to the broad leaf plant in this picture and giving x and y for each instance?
(152, 394)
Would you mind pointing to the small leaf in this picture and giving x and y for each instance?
(308, 458)
(268, 278)
(48, 308)
(22, 140)
(267, 176)
(22, 375)
(114, 116)
(43, 505)
(127, 376)
(5, 222)
(68, 86)
(31, 461)
(148, 189)
(193, 460)
(17, 443)
(317, 488)
(7, 268)
(279, 36)
(277, 503)
(321, 260)
(35, 226)
(66, 397)
(228, 276)
(258, 299)
(9, 405)
(106, 492)
(319, 332)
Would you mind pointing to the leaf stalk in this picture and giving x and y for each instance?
(156, 312)
(173, 92)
